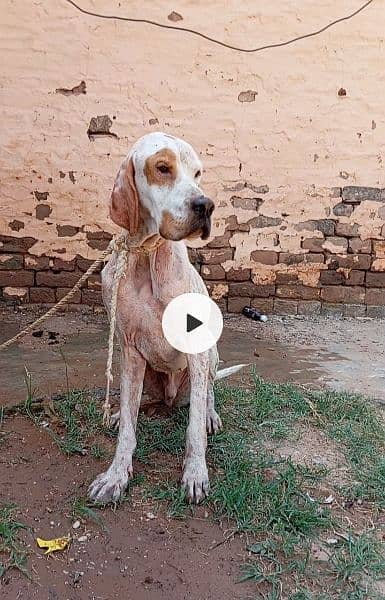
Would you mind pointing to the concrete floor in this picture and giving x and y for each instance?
(319, 352)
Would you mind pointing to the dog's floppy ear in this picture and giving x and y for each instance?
(124, 201)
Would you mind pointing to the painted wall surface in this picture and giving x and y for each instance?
(280, 132)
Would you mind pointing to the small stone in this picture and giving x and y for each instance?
(175, 17)
(150, 515)
(329, 499)
(247, 96)
(332, 541)
(76, 525)
(82, 538)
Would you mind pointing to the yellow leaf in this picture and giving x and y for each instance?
(53, 545)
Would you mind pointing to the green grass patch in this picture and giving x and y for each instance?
(274, 499)
(13, 555)
(271, 499)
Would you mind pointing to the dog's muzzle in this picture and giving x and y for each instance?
(202, 209)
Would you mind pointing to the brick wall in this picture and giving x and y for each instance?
(347, 272)
(283, 136)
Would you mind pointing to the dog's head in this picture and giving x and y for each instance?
(158, 182)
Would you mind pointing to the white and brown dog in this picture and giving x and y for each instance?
(157, 199)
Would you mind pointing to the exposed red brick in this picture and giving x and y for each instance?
(36, 263)
(262, 221)
(298, 292)
(265, 257)
(285, 307)
(350, 261)
(222, 304)
(98, 235)
(355, 278)
(238, 274)
(98, 240)
(61, 292)
(375, 280)
(222, 241)
(286, 277)
(326, 226)
(235, 305)
(16, 225)
(355, 194)
(379, 248)
(249, 289)
(215, 257)
(246, 203)
(92, 297)
(42, 295)
(233, 225)
(309, 307)
(347, 229)
(288, 258)
(341, 244)
(313, 244)
(343, 210)
(358, 246)
(375, 296)
(332, 309)
(348, 295)
(213, 272)
(84, 263)
(264, 305)
(11, 261)
(15, 244)
(16, 278)
(98, 244)
(63, 279)
(42, 211)
(15, 294)
(63, 265)
(67, 230)
(331, 278)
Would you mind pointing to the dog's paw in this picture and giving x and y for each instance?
(115, 420)
(213, 421)
(108, 486)
(195, 481)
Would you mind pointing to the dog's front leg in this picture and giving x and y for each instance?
(108, 486)
(195, 478)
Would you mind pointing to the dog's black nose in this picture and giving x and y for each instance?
(202, 206)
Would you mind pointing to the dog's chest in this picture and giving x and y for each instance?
(139, 316)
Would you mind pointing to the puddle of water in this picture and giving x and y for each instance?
(337, 363)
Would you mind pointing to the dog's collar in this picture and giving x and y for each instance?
(122, 243)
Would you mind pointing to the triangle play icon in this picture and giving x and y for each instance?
(192, 323)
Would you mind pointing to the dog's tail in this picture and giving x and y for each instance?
(229, 371)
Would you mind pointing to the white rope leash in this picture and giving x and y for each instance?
(120, 270)
(119, 245)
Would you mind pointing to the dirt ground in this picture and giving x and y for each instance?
(319, 351)
(142, 554)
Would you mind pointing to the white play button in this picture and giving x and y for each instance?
(192, 323)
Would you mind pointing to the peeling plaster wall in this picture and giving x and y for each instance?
(279, 131)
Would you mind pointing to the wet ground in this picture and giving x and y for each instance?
(70, 350)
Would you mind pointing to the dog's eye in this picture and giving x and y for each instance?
(197, 174)
(163, 169)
